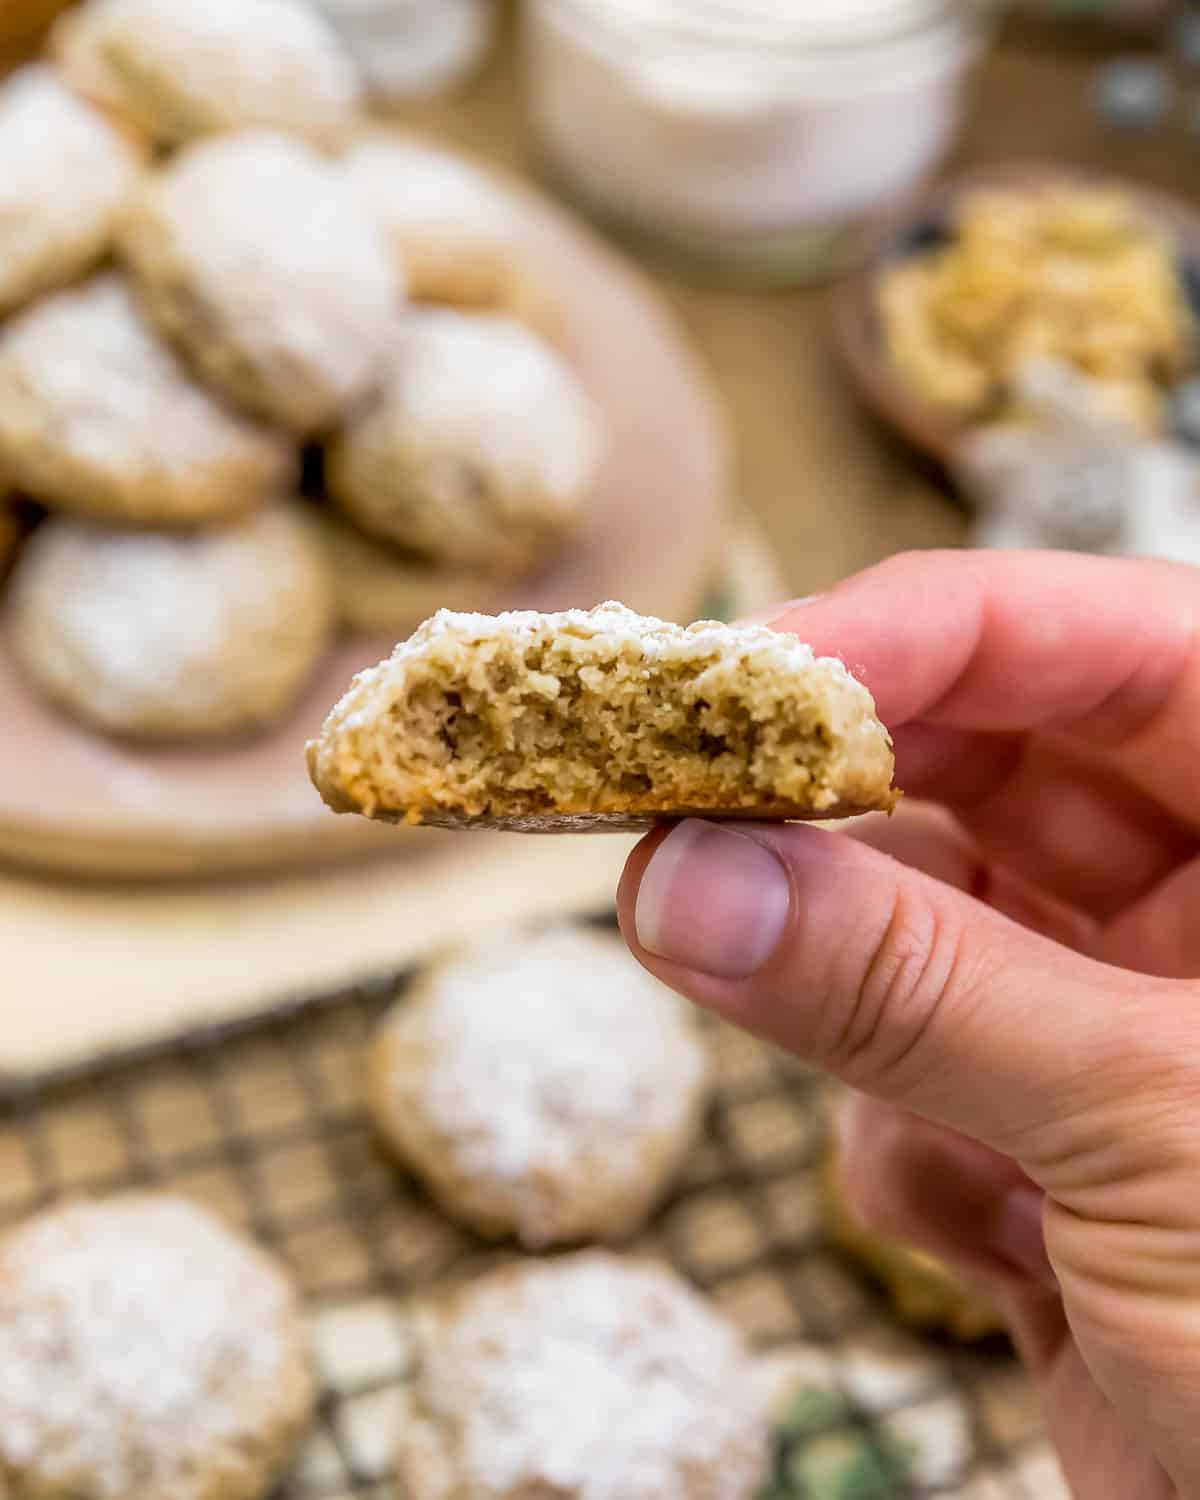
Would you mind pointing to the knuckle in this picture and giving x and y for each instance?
(895, 1001)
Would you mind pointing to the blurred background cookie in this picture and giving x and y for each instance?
(585, 1378)
(545, 1087)
(925, 1292)
(146, 1350)
(172, 635)
(195, 67)
(98, 417)
(254, 257)
(381, 589)
(65, 175)
(452, 228)
(480, 449)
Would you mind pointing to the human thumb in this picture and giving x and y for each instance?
(904, 987)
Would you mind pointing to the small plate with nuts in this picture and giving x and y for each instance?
(1004, 266)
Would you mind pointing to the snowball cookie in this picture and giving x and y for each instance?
(926, 1293)
(452, 228)
(197, 67)
(97, 416)
(589, 1377)
(382, 590)
(601, 719)
(171, 636)
(145, 1351)
(545, 1086)
(480, 449)
(65, 174)
(253, 255)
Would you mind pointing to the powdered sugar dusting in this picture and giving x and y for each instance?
(487, 391)
(193, 66)
(480, 450)
(82, 374)
(254, 252)
(546, 1050)
(141, 1346)
(411, 186)
(610, 627)
(64, 175)
(591, 1378)
(197, 630)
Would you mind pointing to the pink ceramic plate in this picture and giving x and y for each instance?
(73, 801)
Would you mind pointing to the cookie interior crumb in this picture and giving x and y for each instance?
(600, 716)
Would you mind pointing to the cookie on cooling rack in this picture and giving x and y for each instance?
(171, 635)
(380, 589)
(252, 255)
(545, 1087)
(480, 449)
(65, 174)
(98, 417)
(600, 719)
(453, 229)
(586, 1378)
(926, 1293)
(145, 1351)
(198, 67)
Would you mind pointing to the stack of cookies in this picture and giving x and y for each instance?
(268, 375)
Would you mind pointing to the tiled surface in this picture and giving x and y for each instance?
(266, 1129)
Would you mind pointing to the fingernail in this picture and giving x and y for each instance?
(1017, 1234)
(713, 900)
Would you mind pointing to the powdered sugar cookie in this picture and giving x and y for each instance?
(454, 230)
(65, 174)
(600, 719)
(98, 417)
(544, 1086)
(197, 67)
(145, 1351)
(252, 255)
(585, 1378)
(480, 449)
(171, 636)
(925, 1291)
(383, 590)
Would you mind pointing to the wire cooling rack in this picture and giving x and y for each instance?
(263, 1123)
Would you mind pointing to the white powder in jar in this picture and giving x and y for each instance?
(727, 122)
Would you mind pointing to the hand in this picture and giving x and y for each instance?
(1003, 970)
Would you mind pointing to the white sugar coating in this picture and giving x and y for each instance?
(589, 1378)
(414, 187)
(481, 448)
(64, 175)
(145, 1350)
(254, 255)
(96, 414)
(546, 1084)
(611, 625)
(455, 230)
(195, 67)
(172, 634)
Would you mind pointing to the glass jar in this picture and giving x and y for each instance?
(750, 136)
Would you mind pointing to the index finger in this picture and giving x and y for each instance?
(1005, 643)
